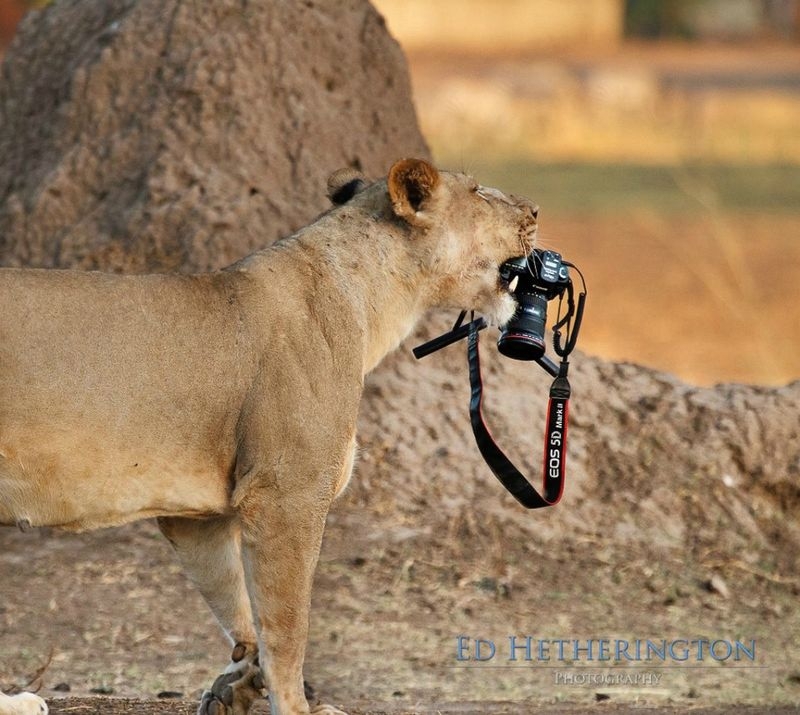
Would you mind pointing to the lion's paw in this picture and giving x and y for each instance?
(233, 693)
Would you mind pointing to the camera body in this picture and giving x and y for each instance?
(540, 276)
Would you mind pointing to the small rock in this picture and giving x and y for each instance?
(169, 694)
(487, 583)
(61, 688)
(102, 690)
(600, 697)
(728, 481)
(717, 585)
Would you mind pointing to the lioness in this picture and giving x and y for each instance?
(225, 403)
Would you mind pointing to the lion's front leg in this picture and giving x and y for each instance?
(282, 524)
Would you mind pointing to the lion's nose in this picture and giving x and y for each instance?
(532, 208)
(527, 205)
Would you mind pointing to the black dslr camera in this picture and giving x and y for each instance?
(534, 280)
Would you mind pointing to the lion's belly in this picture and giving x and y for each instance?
(79, 482)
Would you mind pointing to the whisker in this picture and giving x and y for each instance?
(545, 242)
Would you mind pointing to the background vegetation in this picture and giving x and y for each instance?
(661, 140)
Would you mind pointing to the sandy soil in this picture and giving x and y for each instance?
(116, 615)
(86, 706)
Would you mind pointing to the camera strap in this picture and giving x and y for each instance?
(554, 463)
(555, 437)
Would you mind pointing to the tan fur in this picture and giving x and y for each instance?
(226, 403)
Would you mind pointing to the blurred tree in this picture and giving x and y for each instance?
(783, 17)
(658, 18)
(722, 19)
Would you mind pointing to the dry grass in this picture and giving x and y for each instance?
(480, 26)
(689, 267)
(670, 174)
(636, 104)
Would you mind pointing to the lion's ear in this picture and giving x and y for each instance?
(411, 183)
(344, 184)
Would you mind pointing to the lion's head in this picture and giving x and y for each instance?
(461, 232)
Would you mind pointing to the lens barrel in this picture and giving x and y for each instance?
(523, 336)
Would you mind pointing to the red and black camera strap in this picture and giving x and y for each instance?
(555, 438)
(554, 463)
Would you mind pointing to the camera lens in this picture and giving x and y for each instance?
(523, 336)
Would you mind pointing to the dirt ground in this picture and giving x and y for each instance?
(117, 616)
(86, 706)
